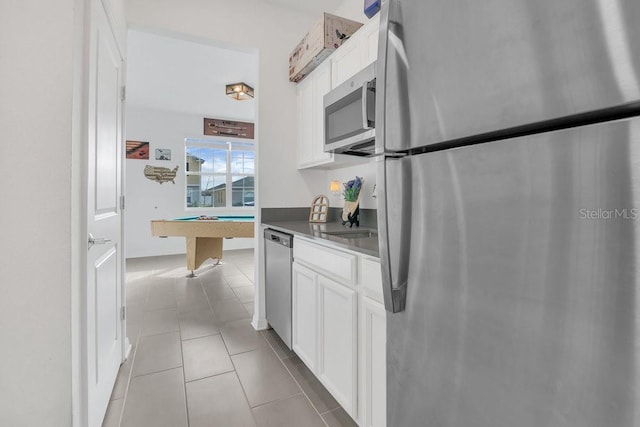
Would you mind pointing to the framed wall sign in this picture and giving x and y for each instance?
(219, 127)
(137, 150)
(163, 154)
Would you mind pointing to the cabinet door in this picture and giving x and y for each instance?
(337, 364)
(373, 369)
(346, 60)
(356, 53)
(304, 316)
(370, 33)
(305, 121)
(321, 86)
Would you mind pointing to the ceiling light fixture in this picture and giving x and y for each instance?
(239, 91)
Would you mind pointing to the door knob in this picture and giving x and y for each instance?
(97, 240)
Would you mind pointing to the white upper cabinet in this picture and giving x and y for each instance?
(311, 91)
(346, 61)
(356, 53)
(370, 34)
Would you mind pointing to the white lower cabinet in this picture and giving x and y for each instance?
(339, 326)
(373, 363)
(338, 364)
(304, 314)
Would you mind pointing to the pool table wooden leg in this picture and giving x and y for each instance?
(199, 249)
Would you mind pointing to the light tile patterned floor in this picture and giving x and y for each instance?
(196, 360)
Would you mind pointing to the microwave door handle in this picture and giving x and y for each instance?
(365, 101)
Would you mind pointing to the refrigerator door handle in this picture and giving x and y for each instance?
(394, 229)
(395, 40)
(393, 115)
(381, 75)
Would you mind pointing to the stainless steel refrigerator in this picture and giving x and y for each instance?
(508, 143)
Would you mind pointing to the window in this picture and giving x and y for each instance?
(213, 167)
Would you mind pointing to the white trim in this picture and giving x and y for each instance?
(259, 324)
(82, 35)
(259, 320)
(126, 344)
(78, 209)
(229, 147)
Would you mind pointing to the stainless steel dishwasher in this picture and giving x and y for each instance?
(278, 258)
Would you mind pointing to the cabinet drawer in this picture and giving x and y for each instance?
(371, 279)
(333, 263)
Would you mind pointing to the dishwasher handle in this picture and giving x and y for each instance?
(278, 237)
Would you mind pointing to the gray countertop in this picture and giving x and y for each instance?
(365, 245)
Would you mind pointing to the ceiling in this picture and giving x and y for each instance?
(313, 7)
(172, 74)
(184, 75)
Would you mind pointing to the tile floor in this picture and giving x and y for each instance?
(196, 360)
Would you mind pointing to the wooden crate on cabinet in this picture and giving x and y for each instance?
(324, 37)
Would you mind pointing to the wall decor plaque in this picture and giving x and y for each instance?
(163, 154)
(219, 127)
(137, 150)
(160, 174)
(319, 211)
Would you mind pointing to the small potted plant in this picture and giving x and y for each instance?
(352, 193)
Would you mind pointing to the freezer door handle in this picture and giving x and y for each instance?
(393, 116)
(394, 229)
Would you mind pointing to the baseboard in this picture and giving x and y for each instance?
(259, 324)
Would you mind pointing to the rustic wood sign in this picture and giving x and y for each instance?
(218, 127)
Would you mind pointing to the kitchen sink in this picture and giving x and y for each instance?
(352, 234)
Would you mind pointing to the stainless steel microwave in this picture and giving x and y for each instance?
(349, 115)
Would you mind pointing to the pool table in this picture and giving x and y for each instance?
(204, 236)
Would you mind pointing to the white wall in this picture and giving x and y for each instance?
(366, 171)
(172, 84)
(353, 9)
(146, 199)
(174, 72)
(36, 93)
(274, 32)
(41, 101)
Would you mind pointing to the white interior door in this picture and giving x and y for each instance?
(104, 330)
